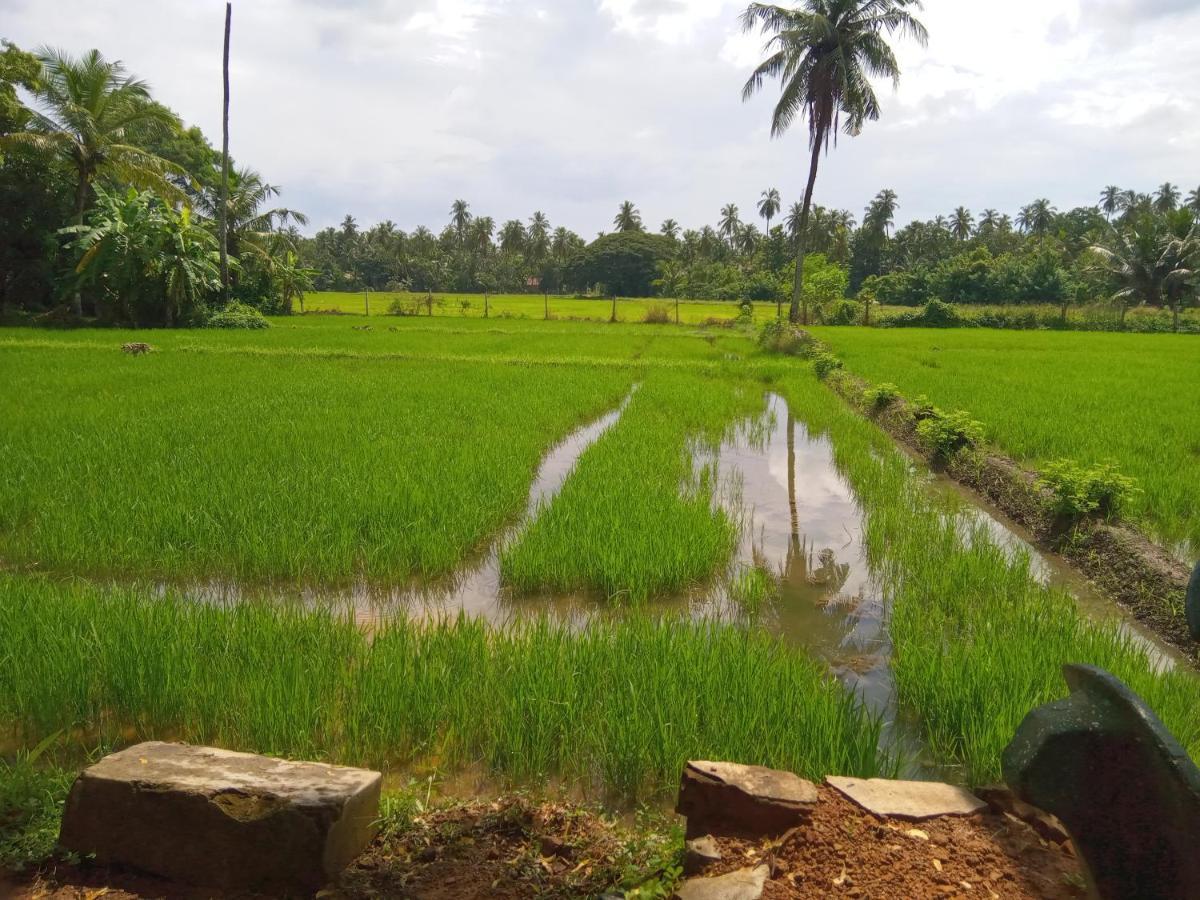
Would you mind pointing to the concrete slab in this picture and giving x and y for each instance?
(914, 800)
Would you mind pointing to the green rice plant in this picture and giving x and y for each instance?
(619, 706)
(1043, 396)
(634, 519)
(977, 641)
(752, 588)
(32, 796)
(241, 466)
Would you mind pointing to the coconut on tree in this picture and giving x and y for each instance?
(824, 53)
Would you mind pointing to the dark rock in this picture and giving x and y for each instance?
(1192, 604)
(1002, 800)
(235, 821)
(732, 800)
(1104, 764)
(700, 853)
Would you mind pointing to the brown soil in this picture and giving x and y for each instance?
(513, 848)
(844, 851)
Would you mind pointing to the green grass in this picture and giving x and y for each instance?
(633, 520)
(978, 642)
(1046, 395)
(623, 703)
(272, 467)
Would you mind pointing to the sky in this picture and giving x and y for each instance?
(391, 109)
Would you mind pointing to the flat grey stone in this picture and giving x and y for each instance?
(733, 800)
(744, 884)
(205, 816)
(913, 800)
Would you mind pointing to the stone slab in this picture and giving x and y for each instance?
(211, 817)
(913, 800)
(733, 800)
(700, 853)
(744, 884)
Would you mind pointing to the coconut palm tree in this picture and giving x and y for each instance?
(1037, 218)
(627, 218)
(538, 236)
(560, 244)
(512, 236)
(768, 205)
(988, 222)
(482, 228)
(794, 217)
(824, 53)
(87, 107)
(460, 218)
(1110, 200)
(1151, 259)
(670, 228)
(729, 223)
(961, 222)
(1193, 200)
(881, 212)
(1166, 198)
(250, 227)
(747, 239)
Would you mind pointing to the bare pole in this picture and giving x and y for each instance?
(224, 222)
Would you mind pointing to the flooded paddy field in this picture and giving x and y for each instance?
(447, 546)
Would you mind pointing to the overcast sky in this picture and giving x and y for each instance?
(390, 109)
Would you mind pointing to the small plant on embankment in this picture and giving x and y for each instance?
(1082, 491)
(825, 364)
(881, 396)
(945, 435)
(31, 803)
(782, 337)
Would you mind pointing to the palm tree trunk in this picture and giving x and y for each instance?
(224, 220)
(81, 192)
(798, 286)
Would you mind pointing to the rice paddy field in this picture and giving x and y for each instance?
(1047, 395)
(547, 551)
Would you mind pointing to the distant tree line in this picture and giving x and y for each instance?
(108, 202)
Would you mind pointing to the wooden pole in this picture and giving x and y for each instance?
(676, 310)
(546, 297)
(224, 223)
(366, 303)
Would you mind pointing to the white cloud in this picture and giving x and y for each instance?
(392, 108)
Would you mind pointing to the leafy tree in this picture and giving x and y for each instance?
(769, 205)
(291, 279)
(152, 265)
(624, 264)
(628, 218)
(824, 52)
(18, 69)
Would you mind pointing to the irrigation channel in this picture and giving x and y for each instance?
(801, 525)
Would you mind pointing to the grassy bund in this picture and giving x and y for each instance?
(1046, 395)
(322, 453)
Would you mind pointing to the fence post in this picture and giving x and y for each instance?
(485, 304)
(366, 304)
(676, 310)
(546, 297)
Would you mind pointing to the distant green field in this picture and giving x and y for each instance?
(529, 306)
(1133, 398)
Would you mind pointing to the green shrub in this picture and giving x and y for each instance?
(947, 434)
(780, 336)
(824, 364)
(1081, 491)
(922, 408)
(657, 314)
(237, 315)
(881, 396)
(745, 314)
(842, 312)
(934, 314)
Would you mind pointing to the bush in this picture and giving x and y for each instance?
(825, 364)
(1081, 491)
(237, 315)
(934, 314)
(399, 308)
(948, 434)
(842, 312)
(881, 396)
(783, 337)
(657, 314)
(745, 314)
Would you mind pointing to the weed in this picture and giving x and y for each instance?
(946, 435)
(881, 396)
(1081, 491)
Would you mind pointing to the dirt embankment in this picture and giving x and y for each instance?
(1121, 562)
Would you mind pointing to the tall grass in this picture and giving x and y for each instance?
(977, 641)
(632, 521)
(1047, 395)
(622, 704)
(280, 467)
